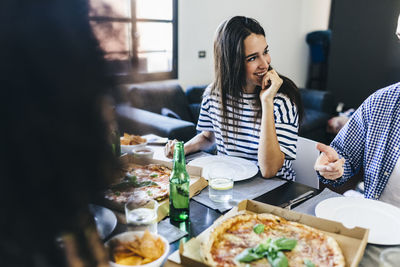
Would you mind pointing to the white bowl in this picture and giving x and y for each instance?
(129, 148)
(130, 236)
(143, 152)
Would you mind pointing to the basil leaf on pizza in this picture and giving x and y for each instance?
(258, 228)
(308, 263)
(278, 259)
(270, 249)
(263, 248)
(248, 255)
(285, 243)
(131, 182)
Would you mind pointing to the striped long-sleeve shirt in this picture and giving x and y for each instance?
(244, 142)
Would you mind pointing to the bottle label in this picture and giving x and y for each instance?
(179, 195)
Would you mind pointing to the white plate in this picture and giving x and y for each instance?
(129, 148)
(382, 219)
(105, 220)
(153, 139)
(244, 169)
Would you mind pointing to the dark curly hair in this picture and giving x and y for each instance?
(54, 151)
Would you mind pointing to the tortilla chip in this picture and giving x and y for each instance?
(131, 260)
(139, 251)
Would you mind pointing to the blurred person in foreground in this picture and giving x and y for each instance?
(370, 139)
(55, 153)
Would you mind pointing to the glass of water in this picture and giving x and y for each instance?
(220, 183)
(141, 215)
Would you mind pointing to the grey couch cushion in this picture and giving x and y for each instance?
(169, 113)
(139, 121)
(155, 96)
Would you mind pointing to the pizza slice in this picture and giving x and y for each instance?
(141, 182)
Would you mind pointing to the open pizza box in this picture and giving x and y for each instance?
(197, 183)
(351, 241)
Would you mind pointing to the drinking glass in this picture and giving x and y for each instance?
(389, 257)
(143, 152)
(141, 215)
(220, 182)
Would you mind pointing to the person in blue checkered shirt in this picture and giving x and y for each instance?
(370, 140)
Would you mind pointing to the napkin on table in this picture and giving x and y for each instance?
(308, 207)
(169, 231)
(246, 189)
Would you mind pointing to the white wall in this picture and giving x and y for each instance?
(286, 23)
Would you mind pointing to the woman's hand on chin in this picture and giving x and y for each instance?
(270, 86)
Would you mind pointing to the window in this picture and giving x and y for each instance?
(139, 37)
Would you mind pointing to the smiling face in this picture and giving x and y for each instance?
(257, 60)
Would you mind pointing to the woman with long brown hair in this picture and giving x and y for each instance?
(249, 110)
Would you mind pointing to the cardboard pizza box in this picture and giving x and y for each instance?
(197, 183)
(351, 241)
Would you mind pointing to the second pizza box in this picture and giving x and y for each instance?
(197, 183)
(351, 241)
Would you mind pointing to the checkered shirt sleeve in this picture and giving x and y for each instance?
(370, 139)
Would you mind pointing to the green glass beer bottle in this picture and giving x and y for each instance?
(179, 186)
(115, 140)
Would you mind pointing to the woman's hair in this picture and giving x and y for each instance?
(229, 64)
(55, 155)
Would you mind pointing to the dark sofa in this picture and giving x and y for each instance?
(163, 108)
(319, 107)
